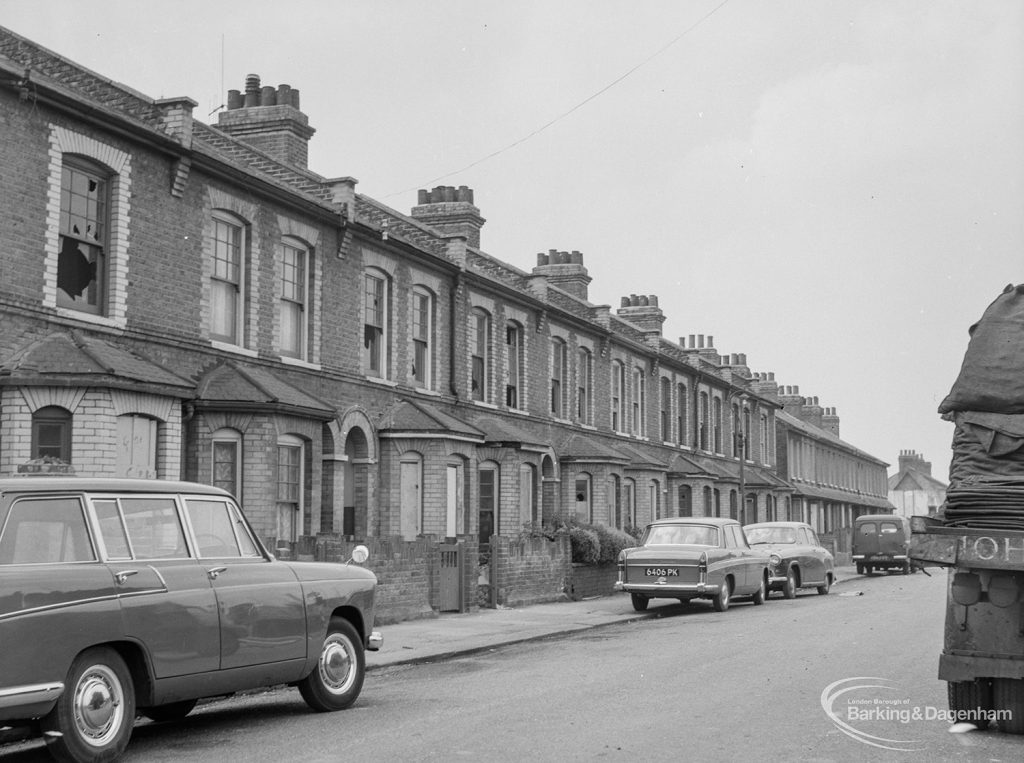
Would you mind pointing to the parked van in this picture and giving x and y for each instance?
(880, 542)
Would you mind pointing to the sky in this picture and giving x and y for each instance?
(834, 188)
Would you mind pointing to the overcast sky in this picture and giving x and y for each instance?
(835, 188)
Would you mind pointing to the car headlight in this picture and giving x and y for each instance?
(774, 560)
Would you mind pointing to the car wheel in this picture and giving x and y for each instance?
(337, 679)
(761, 593)
(906, 568)
(789, 587)
(869, 570)
(1008, 695)
(972, 697)
(639, 602)
(721, 601)
(824, 589)
(172, 711)
(93, 719)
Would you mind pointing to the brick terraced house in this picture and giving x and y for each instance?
(183, 300)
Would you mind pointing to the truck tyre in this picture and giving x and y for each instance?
(973, 697)
(1008, 695)
(860, 568)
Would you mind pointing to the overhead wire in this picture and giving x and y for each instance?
(575, 108)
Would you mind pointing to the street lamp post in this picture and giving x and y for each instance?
(740, 446)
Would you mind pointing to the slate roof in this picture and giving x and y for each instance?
(231, 386)
(580, 447)
(422, 419)
(71, 359)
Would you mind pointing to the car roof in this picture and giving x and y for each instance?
(694, 521)
(866, 517)
(50, 484)
(778, 524)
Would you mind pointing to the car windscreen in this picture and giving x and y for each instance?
(757, 535)
(690, 535)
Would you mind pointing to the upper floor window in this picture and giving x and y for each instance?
(618, 385)
(736, 433)
(227, 280)
(681, 414)
(584, 384)
(702, 421)
(422, 337)
(84, 225)
(558, 368)
(513, 365)
(639, 402)
(480, 344)
(764, 439)
(294, 272)
(375, 324)
(51, 433)
(745, 438)
(666, 409)
(716, 408)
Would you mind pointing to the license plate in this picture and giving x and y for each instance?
(662, 572)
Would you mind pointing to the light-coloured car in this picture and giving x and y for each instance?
(796, 558)
(693, 558)
(119, 596)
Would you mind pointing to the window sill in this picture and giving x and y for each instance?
(290, 361)
(233, 348)
(381, 382)
(591, 427)
(425, 391)
(518, 411)
(482, 404)
(99, 320)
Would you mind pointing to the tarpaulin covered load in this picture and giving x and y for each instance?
(992, 376)
(986, 404)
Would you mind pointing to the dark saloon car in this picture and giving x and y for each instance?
(693, 558)
(796, 557)
(124, 596)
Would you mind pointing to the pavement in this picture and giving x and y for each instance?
(456, 634)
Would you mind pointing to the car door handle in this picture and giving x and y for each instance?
(214, 572)
(122, 575)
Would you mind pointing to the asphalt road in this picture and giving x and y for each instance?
(691, 685)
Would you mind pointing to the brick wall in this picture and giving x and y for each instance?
(530, 571)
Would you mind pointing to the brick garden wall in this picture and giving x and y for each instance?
(531, 570)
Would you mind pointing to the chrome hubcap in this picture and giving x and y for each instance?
(336, 664)
(98, 705)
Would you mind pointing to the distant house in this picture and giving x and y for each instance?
(913, 490)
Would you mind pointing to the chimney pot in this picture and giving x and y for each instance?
(625, 302)
(711, 341)
(234, 100)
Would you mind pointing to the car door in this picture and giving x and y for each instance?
(260, 602)
(167, 601)
(55, 595)
(751, 561)
(738, 562)
(815, 557)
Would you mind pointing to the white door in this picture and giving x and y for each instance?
(452, 505)
(411, 501)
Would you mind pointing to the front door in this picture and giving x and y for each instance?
(410, 500)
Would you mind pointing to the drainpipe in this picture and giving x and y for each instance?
(455, 320)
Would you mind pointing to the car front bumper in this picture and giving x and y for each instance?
(374, 641)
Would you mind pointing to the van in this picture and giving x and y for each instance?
(880, 542)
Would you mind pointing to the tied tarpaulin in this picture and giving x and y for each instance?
(986, 444)
(992, 375)
(995, 503)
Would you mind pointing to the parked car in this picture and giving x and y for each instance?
(693, 558)
(881, 542)
(125, 596)
(796, 558)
